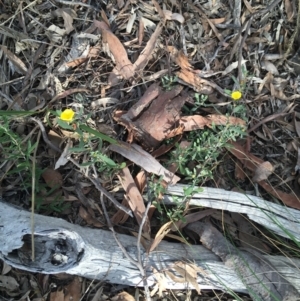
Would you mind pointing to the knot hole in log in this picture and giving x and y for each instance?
(55, 250)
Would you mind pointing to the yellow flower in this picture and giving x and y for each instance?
(236, 95)
(67, 115)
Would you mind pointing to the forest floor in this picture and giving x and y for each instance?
(144, 93)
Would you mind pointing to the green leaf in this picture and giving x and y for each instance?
(108, 161)
(77, 149)
(64, 124)
(16, 113)
(98, 134)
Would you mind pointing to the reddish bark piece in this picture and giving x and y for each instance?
(154, 124)
(151, 93)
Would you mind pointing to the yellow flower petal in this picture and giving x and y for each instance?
(236, 95)
(67, 115)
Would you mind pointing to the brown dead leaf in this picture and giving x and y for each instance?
(179, 57)
(251, 162)
(239, 172)
(53, 178)
(134, 198)
(120, 217)
(73, 290)
(140, 157)
(188, 273)
(5, 268)
(289, 10)
(123, 296)
(115, 47)
(161, 283)
(217, 21)
(262, 171)
(90, 220)
(248, 160)
(55, 140)
(57, 296)
(18, 63)
(199, 84)
(123, 65)
(145, 55)
(289, 199)
(196, 122)
(120, 3)
(141, 181)
(162, 232)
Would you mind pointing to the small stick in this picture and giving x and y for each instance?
(44, 134)
(33, 198)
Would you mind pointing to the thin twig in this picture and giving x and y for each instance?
(75, 3)
(44, 134)
(240, 74)
(111, 228)
(109, 196)
(138, 263)
(96, 182)
(33, 197)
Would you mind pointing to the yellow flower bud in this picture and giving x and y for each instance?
(67, 115)
(236, 95)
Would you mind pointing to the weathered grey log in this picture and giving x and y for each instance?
(93, 253)
(281, 220)
(262, 280)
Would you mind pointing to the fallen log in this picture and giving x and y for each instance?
(64, 247)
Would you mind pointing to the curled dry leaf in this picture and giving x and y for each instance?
(53, 178)
(63, 157)
(162, 232)
(269, 66)
(262, 171)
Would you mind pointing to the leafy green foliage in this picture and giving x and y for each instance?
(198, 161)
(168, 82)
